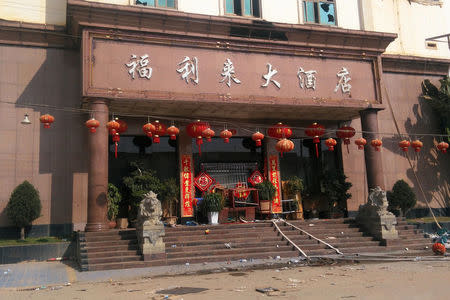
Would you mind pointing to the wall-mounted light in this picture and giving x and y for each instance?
(25, 120)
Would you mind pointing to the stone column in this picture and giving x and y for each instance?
(374, 167)
(98, 169)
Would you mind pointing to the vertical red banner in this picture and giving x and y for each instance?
(273, 177)
(186, 186)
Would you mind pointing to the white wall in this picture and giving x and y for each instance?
(347, 14)
(413, 23)
(273, 11)
(34, 11)
(206, 7)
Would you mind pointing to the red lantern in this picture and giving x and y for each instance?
(443, 146)
(195, 130)
(361, 142)
(280, 131)
(345, 133)
(404, 145)
(376, 143)
(417, 145)
(226, 135)
(257, 137)
(47, 120)
(284, 145)
(123, 126)
(113, 126)
(92, 124)
(439, 248)
(160, 130)
(330, 143)
(315, 131)
(148, 129)
(208, 133)
(172, 131)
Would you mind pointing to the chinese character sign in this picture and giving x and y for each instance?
(189, 69)
(307, 78)
(273, 177)
(268, 77)
(140, 66)
(186, 186)
(344, 78)
(228, 73)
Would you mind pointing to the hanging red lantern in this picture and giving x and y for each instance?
(376, 143)
(148, 129)
(330, 143)
(226, 135)
(443, 146)
(280, 131)
(315, 131)
(258, 137)
(361, 142)
(92, 124)
(123, 126)
(195, 130)
(208, 133)
(160, 130)
(173, 131)
(284, 145)
(113, 126)
(346, 133)
(417, 145)
(47, 120)
(404, 145)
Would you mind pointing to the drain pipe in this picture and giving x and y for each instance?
(313, 237)
(290, 242)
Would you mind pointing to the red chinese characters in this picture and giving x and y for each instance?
(273, 177)
(186, 186)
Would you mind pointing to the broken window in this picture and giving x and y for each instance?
(246, 8)
(157, 3)
(320, 11)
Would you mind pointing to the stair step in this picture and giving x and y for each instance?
(99, 260)
(248, 251)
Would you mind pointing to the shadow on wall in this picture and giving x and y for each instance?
(431, 165)
(62, 148)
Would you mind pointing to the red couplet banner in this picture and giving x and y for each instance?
(186, 186)
(273, 177)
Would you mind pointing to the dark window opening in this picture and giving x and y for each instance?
(320, 11)
(246, 8)
(157, 3)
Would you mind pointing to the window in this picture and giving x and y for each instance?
(157, 3)
(320, 12)
(246, 8)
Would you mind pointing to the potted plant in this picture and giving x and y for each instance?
(335, 188)
(212, 204)
(169, 199)
(293, 189)
(266, 192)
(114, 198)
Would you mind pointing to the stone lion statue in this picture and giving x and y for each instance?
(377, 197)
(150, 211)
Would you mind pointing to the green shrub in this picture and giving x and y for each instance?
(401, 198)
(266, 190)
(335, 187)
(24, 206)
(170, 193)
(294, 185)
(138, 183)
(114, 199)
(212, 202)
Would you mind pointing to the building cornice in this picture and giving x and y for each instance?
(415, 65)
(313, 38)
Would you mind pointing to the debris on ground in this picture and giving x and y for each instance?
(267, 290)
(228, 245)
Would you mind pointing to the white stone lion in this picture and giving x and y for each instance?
(150, 211)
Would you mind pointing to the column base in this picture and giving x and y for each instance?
(96, 227)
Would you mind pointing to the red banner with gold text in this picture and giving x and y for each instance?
(273, 177)
(186, 186)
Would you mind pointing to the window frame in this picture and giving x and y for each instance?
(305, 18)
(159, 7)
(243, 9)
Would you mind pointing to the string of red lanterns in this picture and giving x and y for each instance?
(208, 133)
(195, 130)
(284, 145)
(92, 124)
(346, 133)
(47, 120)
(173, 131)
(113, 127)
(315, 131)
(258, 137)
(330, 143)
(226, 135)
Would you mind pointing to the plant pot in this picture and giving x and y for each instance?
(112, 224)
(122, 223)
(213, 217)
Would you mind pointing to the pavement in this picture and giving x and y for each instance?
(54, 273)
